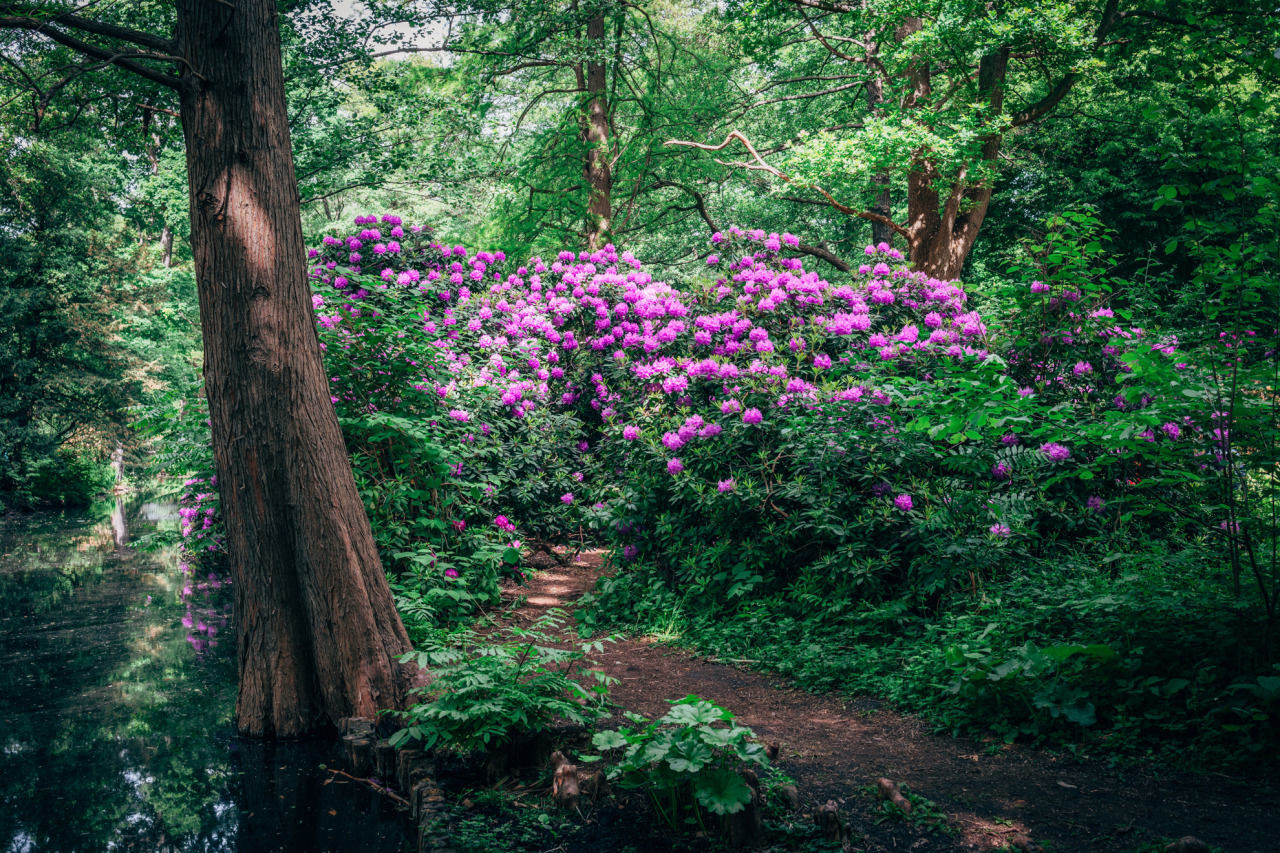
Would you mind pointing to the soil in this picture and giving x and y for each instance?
(835, 748)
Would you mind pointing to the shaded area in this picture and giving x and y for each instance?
(117, 686)
(993, 795)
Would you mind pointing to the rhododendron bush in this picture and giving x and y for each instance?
(754, 427)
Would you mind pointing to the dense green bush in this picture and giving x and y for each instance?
(848, 474)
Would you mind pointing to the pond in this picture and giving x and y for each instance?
(117, 687)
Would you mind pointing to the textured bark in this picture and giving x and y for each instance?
(317, 630)
(941, 233)
(595, 133)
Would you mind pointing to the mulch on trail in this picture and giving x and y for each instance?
(836, 747)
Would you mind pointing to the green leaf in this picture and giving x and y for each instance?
(609, 740)
(722, 791)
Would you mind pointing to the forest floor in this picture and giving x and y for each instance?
(990, 796)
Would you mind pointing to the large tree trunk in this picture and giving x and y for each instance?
(317, 630)
(596, 135)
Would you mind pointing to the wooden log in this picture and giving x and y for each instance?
(403, 758)
(359, 753)
(890, 791)
(356, 726)
(384, 761)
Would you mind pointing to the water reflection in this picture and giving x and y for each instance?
(116, 700)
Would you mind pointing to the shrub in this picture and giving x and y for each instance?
(486, 693)
(689, 761)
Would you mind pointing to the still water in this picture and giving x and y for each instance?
(117, 686)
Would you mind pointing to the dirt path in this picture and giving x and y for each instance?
(835, 748)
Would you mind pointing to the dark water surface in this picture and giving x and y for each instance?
(117, 685)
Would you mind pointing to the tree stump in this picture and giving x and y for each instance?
(827, 818)
(745, 828)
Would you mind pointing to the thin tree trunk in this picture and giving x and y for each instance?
(883, 203)
(596, 133)
(317, 630)
(166, 247)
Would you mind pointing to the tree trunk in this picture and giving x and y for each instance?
(317, 630)
(941, 233)
(596, 135)
(166, 247)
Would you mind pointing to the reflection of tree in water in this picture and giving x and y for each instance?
(107, 712)
(116, 700)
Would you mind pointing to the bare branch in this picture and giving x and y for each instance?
(699, 201)
(826, 255)
(102, 28)
(805, 96)
(761, 166)
(813, 29)
(127, 61)
(532, 63)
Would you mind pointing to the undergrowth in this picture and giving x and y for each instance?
(1155, 662)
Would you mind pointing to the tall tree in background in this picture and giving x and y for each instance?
(942, 84)
(317, 631)
(581, 96)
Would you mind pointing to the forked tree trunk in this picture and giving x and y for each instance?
(596, 170)
(317, 630)
(941, 229)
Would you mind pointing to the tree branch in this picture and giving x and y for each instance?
(761, 166)
(699, 201)
(1041, 108)
(122, 60)
(826, 255)
(102, 28)
(803, 96)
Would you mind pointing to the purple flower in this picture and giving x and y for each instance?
(630, 552)
(1055, 452)
(903, 502)
(1171, 429)
(630, 433)
(1082, 368)
(1039, 287)
(451, 573)
(726, 485)
(1095, 503)
(1001, 471)
(674, 465)
(1000, 531)
(1008, 439)
(752, 416)
(566, 498)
